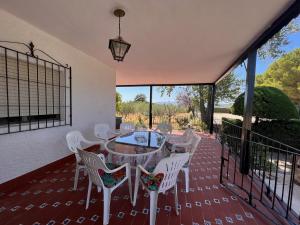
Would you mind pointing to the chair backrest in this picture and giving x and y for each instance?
(170, 167)
(194, 145)
(126, 128)
(164, 128)
(188, 133)
(74, 139)
(102, 131)
(93, 163)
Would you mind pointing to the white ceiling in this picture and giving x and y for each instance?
(173, 41)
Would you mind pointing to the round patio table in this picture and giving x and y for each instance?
(137, 145)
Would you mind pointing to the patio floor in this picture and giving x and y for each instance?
(49, 199)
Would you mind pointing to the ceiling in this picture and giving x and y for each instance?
(173, 41)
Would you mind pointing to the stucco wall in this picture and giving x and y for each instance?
(93, 96)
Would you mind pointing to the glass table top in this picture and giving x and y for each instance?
(137, 143)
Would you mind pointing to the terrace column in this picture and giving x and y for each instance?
(150, 108)
(247, 118)
(212, 108)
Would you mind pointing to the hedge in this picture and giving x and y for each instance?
(287, 132)
(268, 102)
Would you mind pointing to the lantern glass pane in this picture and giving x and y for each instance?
(118, 48)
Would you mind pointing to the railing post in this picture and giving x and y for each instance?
(212, 108)
(247, 118)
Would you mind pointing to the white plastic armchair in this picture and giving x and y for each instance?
(75, 141)
(104, 132)
(126, 128)
(185, 137)
(190, 147)
(164, 128)
(170, 168)
(96, 165)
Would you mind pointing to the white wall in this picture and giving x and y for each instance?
(93, 85)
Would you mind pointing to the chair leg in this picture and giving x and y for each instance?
(176, 199)
(153, 206)
(76, 177)
(136, 185)
(148, 160)
(106, 205)
(187, 179)
(88, 194)
(109, 158)
(128, 172)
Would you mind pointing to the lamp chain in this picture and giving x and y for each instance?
(119, 26)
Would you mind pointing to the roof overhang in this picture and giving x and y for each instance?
(173, 42)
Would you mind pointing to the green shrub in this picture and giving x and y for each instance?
(182, 122)
(287, 132)
(270, 103)
(222, 110)
(236, 122)
(199, 125)
(140, 123)
(231, 127)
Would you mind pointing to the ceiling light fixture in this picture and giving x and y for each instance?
(118, 46)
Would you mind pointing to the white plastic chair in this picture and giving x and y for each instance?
(164, 128)
(190, 147)
(185, 137)
(104, 132)
(170, 168)
(75, 141)
(126, 128)
(96, 165)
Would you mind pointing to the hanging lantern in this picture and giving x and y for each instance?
(118, 46)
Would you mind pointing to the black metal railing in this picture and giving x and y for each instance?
(34, 93)
(272, 185)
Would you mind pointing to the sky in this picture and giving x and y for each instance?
(128, 93)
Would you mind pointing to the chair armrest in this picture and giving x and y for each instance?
(116, 132)
(180, 145)
(117, 169)
(143, 169)
(102, 157)
(102, 139)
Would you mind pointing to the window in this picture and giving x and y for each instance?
(34, 93)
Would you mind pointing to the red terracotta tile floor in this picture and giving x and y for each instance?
(49, 199)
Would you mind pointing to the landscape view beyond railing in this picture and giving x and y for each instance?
(276, 101)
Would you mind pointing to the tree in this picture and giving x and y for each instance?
(141, 107)
(140, 98)
(284, 74)
(227, 90)
(185, 100)
(126, 109)
(118, 102)
(268, 103)
(170, 111)
(157, 110)
(274, 47)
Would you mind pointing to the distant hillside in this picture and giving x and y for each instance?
(166, 102)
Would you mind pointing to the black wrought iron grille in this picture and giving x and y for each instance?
(271, 185)
(34, 93)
